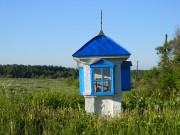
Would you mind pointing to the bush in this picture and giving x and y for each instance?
(71, 81)
(150, 78)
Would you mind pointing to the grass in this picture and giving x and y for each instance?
(34, 106)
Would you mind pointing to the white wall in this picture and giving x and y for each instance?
(103, 105)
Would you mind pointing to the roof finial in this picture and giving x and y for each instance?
(101, 31)
(101, 19)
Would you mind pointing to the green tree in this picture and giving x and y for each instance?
(165, 80)
(176, 58)
(166, 77)
(176, 44)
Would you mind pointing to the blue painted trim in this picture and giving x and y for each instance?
(81, 80)
(102, 64)
(92, 80)
(102, 94)
(102, 76)
(112, 79)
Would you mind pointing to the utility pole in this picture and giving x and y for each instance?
(166, 36)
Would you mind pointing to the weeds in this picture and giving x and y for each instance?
(52, 107)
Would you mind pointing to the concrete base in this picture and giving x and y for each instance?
(103, 105)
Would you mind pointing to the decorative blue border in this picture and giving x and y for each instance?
(102, 64)
(81, 80)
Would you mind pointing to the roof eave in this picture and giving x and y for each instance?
(91, 57)
(89, 60)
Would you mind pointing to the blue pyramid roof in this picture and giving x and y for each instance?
(101, 45)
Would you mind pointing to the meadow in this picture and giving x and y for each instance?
(50, 106)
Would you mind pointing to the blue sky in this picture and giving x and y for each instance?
(48, 32)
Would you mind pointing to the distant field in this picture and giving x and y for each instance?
(49, 106)
(34, 84)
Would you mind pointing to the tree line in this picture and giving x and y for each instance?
(36, 71)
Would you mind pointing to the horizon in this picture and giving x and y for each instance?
(55, 66)
(49, 32)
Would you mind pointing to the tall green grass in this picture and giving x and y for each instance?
(46, 107)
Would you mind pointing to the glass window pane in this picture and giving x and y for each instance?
(106, 72)
(98, 86)
(97, 74)
(107, 86)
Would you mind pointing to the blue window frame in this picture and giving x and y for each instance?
(102, 78)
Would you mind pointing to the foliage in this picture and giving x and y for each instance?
(23, 71)
(51, 107)
(152, 108)
(136, 76)
(140, 73)
(167, 76)
(176, 43)
(73, 80)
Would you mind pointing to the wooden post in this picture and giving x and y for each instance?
(166, 36)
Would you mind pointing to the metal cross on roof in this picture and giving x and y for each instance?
(101, 31)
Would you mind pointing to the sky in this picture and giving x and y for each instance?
(48, 32)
